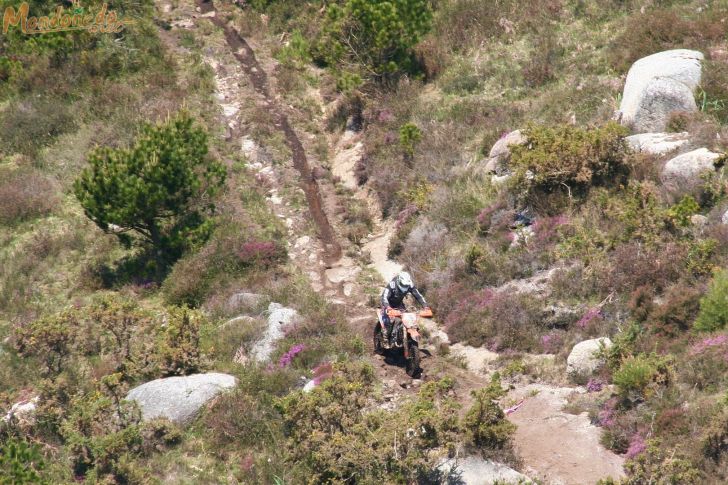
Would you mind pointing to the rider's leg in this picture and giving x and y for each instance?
(387, 326)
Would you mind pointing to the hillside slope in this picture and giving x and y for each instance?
(574, 266)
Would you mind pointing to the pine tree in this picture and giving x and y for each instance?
(156, 193)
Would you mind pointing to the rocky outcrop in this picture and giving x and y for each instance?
(179, 399)
(683, 174)
(657, 143)
(585, 358)
(658, 86)
(474, 470)
(500, 154)
(279, 317)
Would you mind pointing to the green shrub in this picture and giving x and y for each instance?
(680, 213)
(377, 35)
(20, 463)
(409, 136)
(296, 53)
(485, 424)
(101, 431)
(160, 189)
(178, 345)
(638, 376)
(567, 157)
(713, 313)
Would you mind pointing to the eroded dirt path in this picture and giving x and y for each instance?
(556, 447)
(245, 55)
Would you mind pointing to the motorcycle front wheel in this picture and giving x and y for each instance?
(378, 338)
(413, 361)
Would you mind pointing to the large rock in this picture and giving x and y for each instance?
(500, 154)
(585, 358)
(474, 470)
(279, 318)
(22, 414)
(659, 85)
(657, 143)
(179, 399)
(683, 174)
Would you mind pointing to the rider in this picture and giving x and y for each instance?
(393, 297)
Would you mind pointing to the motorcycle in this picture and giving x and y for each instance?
(405, 336)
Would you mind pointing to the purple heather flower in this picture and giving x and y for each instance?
(591, 315)
(707, 343)
(287, 358)
(594, 385)
(636, 446)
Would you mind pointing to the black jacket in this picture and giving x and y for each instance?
(392, 296)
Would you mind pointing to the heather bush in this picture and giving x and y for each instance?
(675, 315)
(706, 364)
(712, 98)
(713, 313)
(498, 320)
(26, 194)
(243, 420)
(28, 125)
(232, 252)
(634, 265)
(663, 29)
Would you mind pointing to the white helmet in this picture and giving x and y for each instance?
(404, 282)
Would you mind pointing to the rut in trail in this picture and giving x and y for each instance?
(245, 55)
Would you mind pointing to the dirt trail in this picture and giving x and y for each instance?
(556, 447)
(245, 55)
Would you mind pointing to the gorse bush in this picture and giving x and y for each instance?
(329, 437)
(20, 463)
(637, 376)
(160, 189)
(567, 157)
(485, 423)
(713, 313)
(373, 37)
